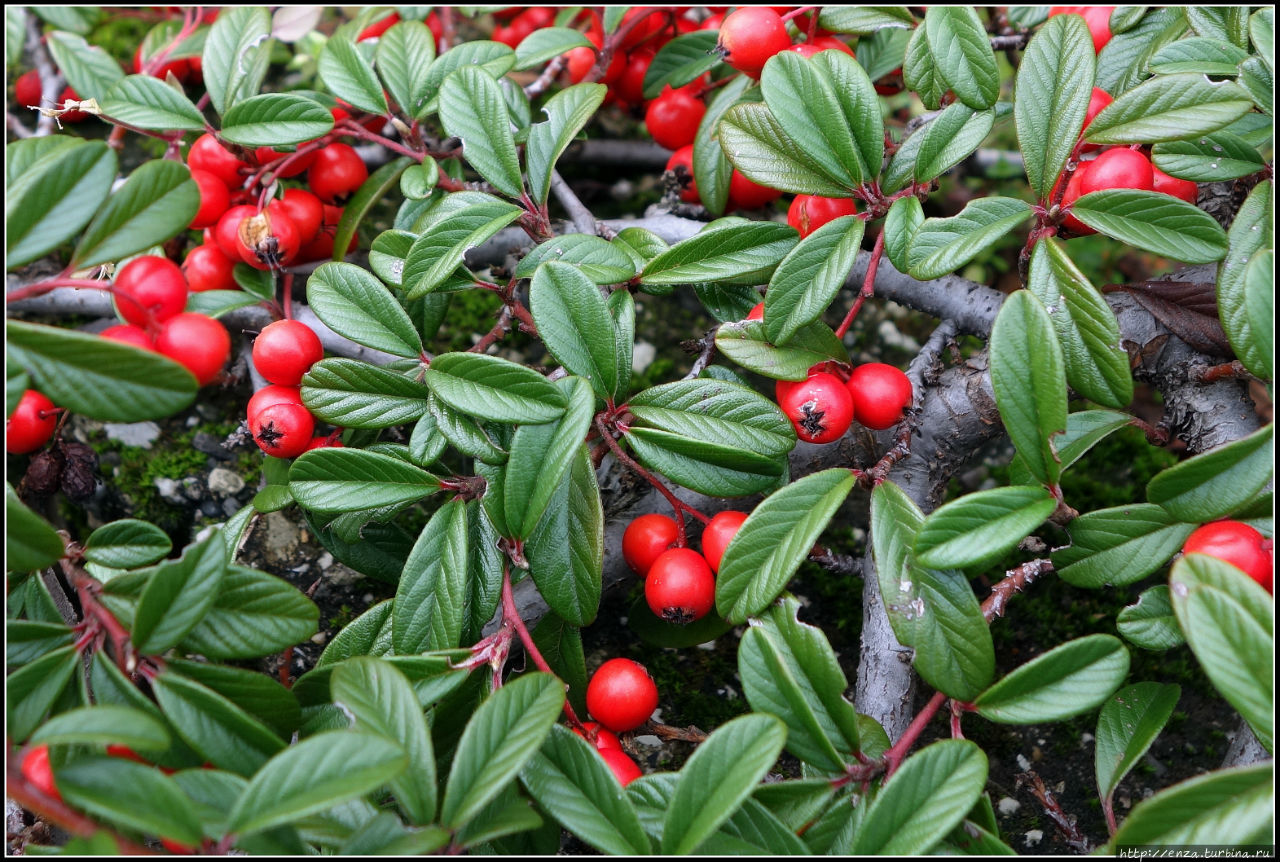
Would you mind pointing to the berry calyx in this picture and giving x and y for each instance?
(198, 342)
(717, 535)
(645, 539)
(621, 695)
(337, 172)
(1240, 545)
(880, 395)
(31, 425)
(38, 772)
(749, 36)
(149, 289)
(282, 430)
(623, 768)
(807, 213)
(269, 239)
(285, 350)
(672, 118)
(681, 164)
(680, 587)
(269, 396)
(820, 408)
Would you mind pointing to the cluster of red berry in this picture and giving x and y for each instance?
(280, 423)
(679, 583)
(621, 696)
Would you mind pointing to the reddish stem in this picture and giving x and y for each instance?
(868, 286)
(286, 659)
(676, 504)
(894, 756)
(287, 291)
(797, 12)
(511, 613)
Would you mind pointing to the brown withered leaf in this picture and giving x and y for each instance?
(1188, 310)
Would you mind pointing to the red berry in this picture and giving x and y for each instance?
(712, 22)
(177, 848)
(805, 49)
(199, 343)
(810, 212)
(70, 116)
(681, 162)
(226, 233)
(1184, 189)
(672, 118)
(750, 35)
(1238, 544)
(214, 200)
(1118, 168)
(377, 28)
(325, 442)
(207, 154)
(37, 771)
(621, 695)
(748, 195)
(129, 334)
(273, 238)
(181, 69)
(644, 540)
(830, 43)
(630, 85)
(207, 268)
(756, 312)
(579, 62)
(1097, 101)
(269, 396)
(624, 768)
(27, 91)
(880, 394)
(645, 30)
(717, 535)
(285, 350)
(117, 750)
(282, 430)
(599, 737)
(337, 172)
(149, 289)
(31, 425)
(1070, 196)
(306, 210)
(680, 587)
(820, 408)
(1098, 18)
(266, 156)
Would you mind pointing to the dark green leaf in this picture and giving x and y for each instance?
(905, 217)
(1251, 232)
(547, 43)
(1200, 55)
(349, 76)
(404, 56)
(471, 108)
(565, 548)
(354, 304)
(89, 70)
(567, 112)
(217, 729)
(1155, 222)
(1068, 680)
(733, 251)
(436, 255)
(716, 412)
(1214, 483)
(1169, 108)
(681, 61)
(864, 19)
(53, 198)
(428, 608)
(711, 168)
(1149, 622)
(130, 795)
(541, 454)
(1238, 802)
(236, 54)
(943, 245)
(744, 343)
(27, 640)
(370, 193)
(490, 387)
(575, 324)
(255, 614)
(257, 694)
(275, 120)
(980, 528)
(353, 394)
(810, 276)
(1119, 546)
(177, 596)
(149, 103)
(802, 97)
(756, 144)
(601, 261)
(29, 542)
(962, 52)
(345, 480)
(1127, 725)
(708, 468)
(32, 690)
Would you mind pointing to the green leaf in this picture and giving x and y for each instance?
(381, 701)
(472, 108)
(656, 631)
(1200, 55)
(1119, 546)
(1238, 802)
(404, 56)
(101, 725)
(316, 774)
(681, 61)
(1054, 82)
(715, 411)
(466, 434)
(718, 778)
(1149, 622)
(745, 343)
(574, 322)
(493, 58)
(1122, 62)
(943, 245)
(573, 784)
(924, 800)
(1070, 679)
(756, 144)
(28, 640)
(217, 729)
(904, 219)
(1215, 483)
(857, 100)
(1127, 725)
(354, 304)
(1154, 222)
(1251, 232)
(724, 251)
(177, 596)
(920, 72)
(493, 388)
(1262, 32)
(774, 540)
(601, 261)
(945, 142)
(565, 548)
(568, 111)
(275, 120)
(30, 543)
(427, 613)
(256, 614)
(547, 43)
(863, 19)
(980, 528)
(810, 276)
(801, 96)
(711, 168)
(1097, 366)
(53, 198)
(1222, 612)
(153, 205)
(345, 480)
(236, 54)
(440, 250)
(503, 734)
(1208, 158)
(1220, 23)
(77, 19)
(349, 76)
(540, 456)
(1260, 300)
(883, 51)
(1169, 108)
(354, 394)
(97, 377)
(149, 103)
(708, 468)
(130, 795)
(31, 691)
(257, 694)
(1028, 376)
(560, 643)
(370, 193)
(962, 51)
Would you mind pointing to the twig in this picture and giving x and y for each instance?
(1066, 823)
(683, 734)
(50, 77)
(1015, 581)
(583, 220)
(1002, 43)
(512, 613)
(708, 349)
(894, 756)
(839, 564)
(539, 86)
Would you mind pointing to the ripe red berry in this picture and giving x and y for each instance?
(269, 396)
(177, 848)
(214, 200)
(630, 84)
(199, 343)
(149, 289)
(681, 163)
(717, 535)
(672, 118)
(31, 425)
(1238, 544)
(337, 172)
(326, 441)
(644, 540)
(129, 334)
(756, 312)
(880, 394)
(820, 408)
(1118, 168)
(1179, 188)
(282, 430)
(579, 61)
(285, 350)
(748, 195)
(644, 31)
(226, 233)
(266, 156)
(377, 28)
(206, 154)
(810, 212)
(124, 751)
(207, 268)
(621, 695)
(829, 43)
(805, 49)
(1070, 196)
(27, 90)
(598, 736)
(680, 587)
(750, 35)
(181, 69)
(1097, 101)
(624, 768)
(306, 210)
(270, 239)
(38, 772)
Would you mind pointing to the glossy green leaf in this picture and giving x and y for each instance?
(403, 58)
(236, 54)
(904, 219)
(733, 251)
(471, 108)
(255, 614)
(89, 69)
(54, 198)
(1215, 483)
(493, 388)
(802, 97)
(1237, 802)
(362, 202)
(568, 111)
(1251, 232)
(540, 456)
(28, 640)
(1209, 158)
(129, 795)
(978, 529)
(711, 167)
(177, 596)
(1169, 108)
(217, 729)
(565, 548)
(353, 394)
(1052, 91)
(1128, 724)
(349, 76)
(810, 276)
(149, 103)
(274, 120)
(745, 343)
(1260, 301)
(757, 145)
(1119, 546)
(30, 543)
(1072, 678)
(104, 724)
(943, 245)
(863, 19)
(32, 690)
(1149, 622)
(436, 255)
(601, 261)
(574, 322)
(428, 608)
(344, 480)
(547, 43)
(681, 61)
(716, 412)
(1198, 54)
(258, 694)
(962, 53)
(708, 468)
(1155, 222)
(357, 306)
(494, 58)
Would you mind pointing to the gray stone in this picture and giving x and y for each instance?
(140, 434)
(224, 483)
(281, 538)
(170, 491)
(211, 446)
